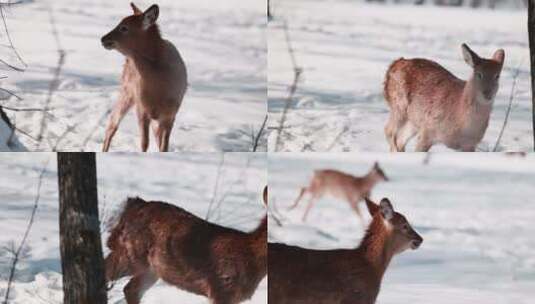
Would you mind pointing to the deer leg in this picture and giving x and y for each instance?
(298, 199)
(162, 133)
(424, 142)
(405, 134)
(119, 111)
(312, 200)
(390, 132)
(136, 287)
(143, 121)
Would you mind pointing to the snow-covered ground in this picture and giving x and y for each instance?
(222, 42)
(344, 49)
(187, 180)
(475, 213)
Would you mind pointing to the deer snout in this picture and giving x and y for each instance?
(416, 242)
(107, 43)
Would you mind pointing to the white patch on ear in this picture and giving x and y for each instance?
(386, 209)
(150, 16)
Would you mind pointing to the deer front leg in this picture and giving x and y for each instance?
(162, 134)
(298, 199)
(136, 287)
(143, 121)
(119, 111)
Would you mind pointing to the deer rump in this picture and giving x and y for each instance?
(182, 250)
(304, 276)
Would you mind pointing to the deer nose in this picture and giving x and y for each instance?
(107, 44)
(417, 242)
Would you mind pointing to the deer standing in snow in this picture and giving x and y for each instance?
(342, 186)
(341, 276)
(155, 240)
(427, 100)
(154, 77)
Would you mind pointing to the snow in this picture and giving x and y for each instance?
(474, 212)
(185, 179)
(9, 141)
(345, 48)
(222, 43)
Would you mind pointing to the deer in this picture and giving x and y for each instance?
(155, 240)
(154, 78)
(427, 100)
(341, 185)
(341, 276)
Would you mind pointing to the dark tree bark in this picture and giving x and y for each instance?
(268, 11)
(531, 33)
(81, 249)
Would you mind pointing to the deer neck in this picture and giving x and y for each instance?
(472, 99)
(259, 243)
(368, 182)
(149, 54)
(376, 246)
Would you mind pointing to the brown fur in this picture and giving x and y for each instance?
(155, 240)
(154, 78)
(427, 100)
(341, 185)
(341, 276)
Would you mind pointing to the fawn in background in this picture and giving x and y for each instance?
(154, 77)
(427, 100)
(155, 240)
(341, 185)
(342, 276)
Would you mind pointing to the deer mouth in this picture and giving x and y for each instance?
(108, 45)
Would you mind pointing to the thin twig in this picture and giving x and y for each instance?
(92, 132)
(259, 134)
(516, 72)
(26, 233)
(216, 185)
(9, 38)
(297, 74)
(11, 93)
(22, 109)
(55, 81)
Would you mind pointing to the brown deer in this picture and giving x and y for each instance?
(341, 276)
(341, 185)
(155, 240)
(154, 77)
(427, 100)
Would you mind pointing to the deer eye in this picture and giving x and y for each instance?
(123, 29)
(479, 75)
(497, 76)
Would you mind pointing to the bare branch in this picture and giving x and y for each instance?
(516, 72)
(259, 134)
(55, 81)
(10, 41)
(19, 250)
(297, 74)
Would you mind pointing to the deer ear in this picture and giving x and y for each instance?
(373, 208)
(499, 56)
(386, 209)
(470, 56)
(265, 195)
(150, 16)
(136, 9)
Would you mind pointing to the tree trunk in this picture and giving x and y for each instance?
(531, 34)
(268, 11)
(81, 249)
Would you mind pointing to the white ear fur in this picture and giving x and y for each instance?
(386, 209)
(150, 16)
(470, 57)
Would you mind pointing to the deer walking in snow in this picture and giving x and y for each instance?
(427, 100)
(155, 240)
(342, 186)
(154, 77)
(341, 276)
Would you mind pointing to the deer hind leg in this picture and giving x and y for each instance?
(405, 134)
(138, 285)
(119, 111)
(313, 199)
(424, 142)
(298, 199)
(143, 121)
(394, 129)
